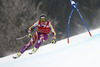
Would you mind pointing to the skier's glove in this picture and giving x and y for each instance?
(29, 35)
(53, 41)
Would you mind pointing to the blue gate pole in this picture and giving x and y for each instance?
(68, 25)
(74, 6)
(83, 20)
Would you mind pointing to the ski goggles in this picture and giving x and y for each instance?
(43, 19)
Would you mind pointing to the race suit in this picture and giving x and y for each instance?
(41, 35)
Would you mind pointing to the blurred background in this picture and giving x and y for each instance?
(16, 16)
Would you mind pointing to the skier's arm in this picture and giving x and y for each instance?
(33, 26)
(53, 31)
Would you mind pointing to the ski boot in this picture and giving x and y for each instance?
(17, 55)
(33, 51)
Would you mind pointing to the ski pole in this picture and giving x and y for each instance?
(21, 37)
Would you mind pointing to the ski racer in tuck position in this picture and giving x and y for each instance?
(44, 28)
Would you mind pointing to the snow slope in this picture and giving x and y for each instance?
(83, 51)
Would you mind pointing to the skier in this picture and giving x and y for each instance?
(44, 27)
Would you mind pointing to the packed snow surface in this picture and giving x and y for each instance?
(82, 51)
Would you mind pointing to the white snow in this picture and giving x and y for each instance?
(82, 51)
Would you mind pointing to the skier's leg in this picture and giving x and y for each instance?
(41, 38)
(32, 41)
(39, 41)
(26, 47)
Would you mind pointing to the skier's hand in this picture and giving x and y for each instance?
(29, 35)
(53, 41)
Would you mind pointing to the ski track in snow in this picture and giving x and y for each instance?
(82, 51)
